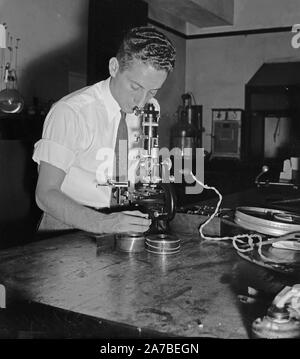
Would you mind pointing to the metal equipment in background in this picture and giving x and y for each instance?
(185, 143)
(153, 193)
(264, 180)
(226, 133)
(186, 134)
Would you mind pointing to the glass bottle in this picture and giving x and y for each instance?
(11, 100)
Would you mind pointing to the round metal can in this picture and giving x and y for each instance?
(130, 242)
(162, 244)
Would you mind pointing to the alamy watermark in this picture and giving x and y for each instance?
(295, 42)
(142, 168)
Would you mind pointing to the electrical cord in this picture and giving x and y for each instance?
(238, 239)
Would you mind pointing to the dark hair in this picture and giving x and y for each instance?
(149, 45)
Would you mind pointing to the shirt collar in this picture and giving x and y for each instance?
(112, 105)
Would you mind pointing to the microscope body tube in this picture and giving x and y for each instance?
(150, 155)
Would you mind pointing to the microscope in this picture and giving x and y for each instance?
(153, 192)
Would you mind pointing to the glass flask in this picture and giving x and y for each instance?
(11, 100)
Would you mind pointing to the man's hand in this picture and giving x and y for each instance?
(290, 296)
(53, 201)
(126, 221)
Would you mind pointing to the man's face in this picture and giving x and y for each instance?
(136, 85)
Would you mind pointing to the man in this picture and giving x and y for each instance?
(82, 124)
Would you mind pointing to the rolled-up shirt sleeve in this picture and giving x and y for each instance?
(61, 138)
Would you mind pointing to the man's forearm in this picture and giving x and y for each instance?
(65, 209)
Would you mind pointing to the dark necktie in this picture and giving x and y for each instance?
(121, 150)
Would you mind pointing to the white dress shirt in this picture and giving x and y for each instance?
(79, 135)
